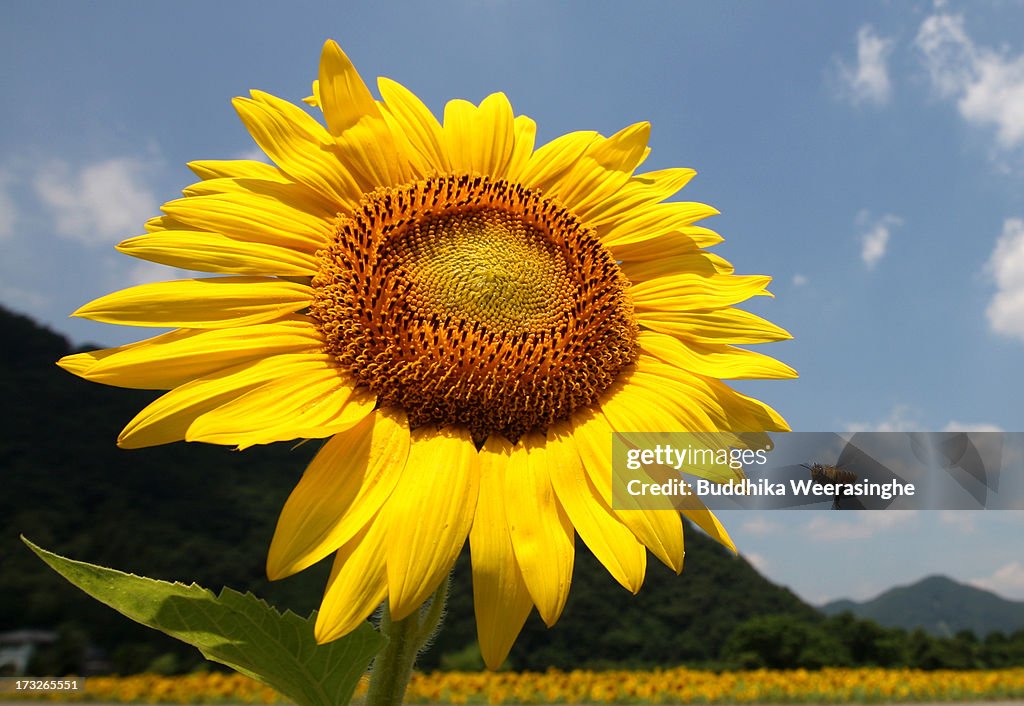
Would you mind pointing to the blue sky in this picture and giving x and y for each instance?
(869, 156)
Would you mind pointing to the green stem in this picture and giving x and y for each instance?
(392, 669)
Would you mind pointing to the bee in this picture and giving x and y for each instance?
(823, 474)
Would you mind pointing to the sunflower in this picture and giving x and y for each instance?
(464, 317)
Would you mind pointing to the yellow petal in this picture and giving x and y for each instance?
(542, 535)
(82, 364)
(670, 403)
(168, 418)
(706, 520)
(717, 361)
(501, 600)
(313, 404)
(159, 224)
(612, 542)
(254, 218)
(421, 128)
(357, 585)
(551, 162)
(287, 197)
(212, 252)
(417, 166)
(714, 326)
(342, 489)
(728, 409)
(603, 169)
(314, 99)
(659, 530)
(698, 262)
(175, 358)
(688, 291)
(479, 140)
(680, 241)
(654, 221)
(429, 515)
(363, 140)
(345, 99)
(200, 303)
(641, 190)
(299, 146)
(525, 130)
(234, 168)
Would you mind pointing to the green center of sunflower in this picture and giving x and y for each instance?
(487, 266)
(476, 302)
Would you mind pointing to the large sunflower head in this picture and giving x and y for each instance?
(465, 317)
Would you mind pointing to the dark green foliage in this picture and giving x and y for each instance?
(868, 643)
(784, 642)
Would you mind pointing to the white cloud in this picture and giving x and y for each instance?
(99, 203)
(905, 418)
(840, 525)
(963, 520)
(868, 81)
(1006, 310)
(760, 526)
(1007, 581)
(971, 426)
(900, 418)
(799, 280)
(8, 211)
(875, 237)
(987, 85)
(757, 561)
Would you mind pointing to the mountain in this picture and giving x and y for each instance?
(205, 513)
(938, 605)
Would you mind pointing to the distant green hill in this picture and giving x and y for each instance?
(940, 606)
(204, 513)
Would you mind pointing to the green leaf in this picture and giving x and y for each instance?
(238, 630)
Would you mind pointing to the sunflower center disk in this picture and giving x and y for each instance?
(475, 302)
(487, 267)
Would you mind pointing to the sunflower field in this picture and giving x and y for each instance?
(668, 686)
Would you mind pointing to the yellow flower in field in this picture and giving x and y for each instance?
(465, 318)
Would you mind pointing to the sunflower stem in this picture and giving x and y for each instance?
(392, 668)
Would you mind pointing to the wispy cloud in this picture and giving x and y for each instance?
(874, 237)
(860, 525)
(1007, 580)
(758, 561)
(963, 520)
(867, 81)
(799, 280)
(971, 426)
(761, 526)
(100, 203)
(905, 418)
(900, 418)
(1006, 266)
(987, 84)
